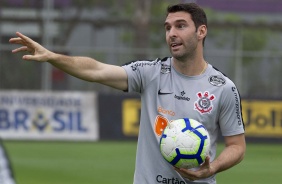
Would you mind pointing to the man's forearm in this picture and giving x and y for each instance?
(228, 158)
(80, 67)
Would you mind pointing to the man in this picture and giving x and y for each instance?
(206, 95)
(6, 174)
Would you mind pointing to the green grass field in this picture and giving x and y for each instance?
(113, 162)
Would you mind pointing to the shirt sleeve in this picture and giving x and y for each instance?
(140, 73)
(231, 121)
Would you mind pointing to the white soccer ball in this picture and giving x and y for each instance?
(185, 143)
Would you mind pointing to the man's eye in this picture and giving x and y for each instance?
(181, 26)
(167, 28)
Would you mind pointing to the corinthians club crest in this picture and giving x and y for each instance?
(204, 102)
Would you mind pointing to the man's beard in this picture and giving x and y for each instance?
(185, 55)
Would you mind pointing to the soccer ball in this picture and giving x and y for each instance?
(185, 143)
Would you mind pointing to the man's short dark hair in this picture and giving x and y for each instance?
(198, 15)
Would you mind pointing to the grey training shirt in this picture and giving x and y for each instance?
(210, 98)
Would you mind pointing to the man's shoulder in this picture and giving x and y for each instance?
(218, 78)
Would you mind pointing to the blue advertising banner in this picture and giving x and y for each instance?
(48, 115)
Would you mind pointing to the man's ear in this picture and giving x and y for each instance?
(202, 32)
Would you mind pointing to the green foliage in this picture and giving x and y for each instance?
(255, 39)
(158, 10)
(232, 18)
(232, 25)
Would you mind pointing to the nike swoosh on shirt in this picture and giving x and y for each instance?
(163, 93)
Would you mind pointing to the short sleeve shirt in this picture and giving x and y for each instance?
(210, 98)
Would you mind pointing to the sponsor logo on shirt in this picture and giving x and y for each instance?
(182, 97)
(237, 104)
(216, 80)
(165, 69)
(135, 65)
(164, 93)
(204, 102)
(165, 111)
(160, 124)
(161, 179)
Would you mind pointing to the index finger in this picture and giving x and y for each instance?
(25, 38)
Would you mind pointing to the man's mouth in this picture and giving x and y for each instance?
(175, 45)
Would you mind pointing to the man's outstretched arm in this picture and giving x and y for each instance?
(84, 68)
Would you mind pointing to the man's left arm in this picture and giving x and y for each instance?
(232, 154)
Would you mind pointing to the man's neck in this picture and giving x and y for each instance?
(190, 67)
